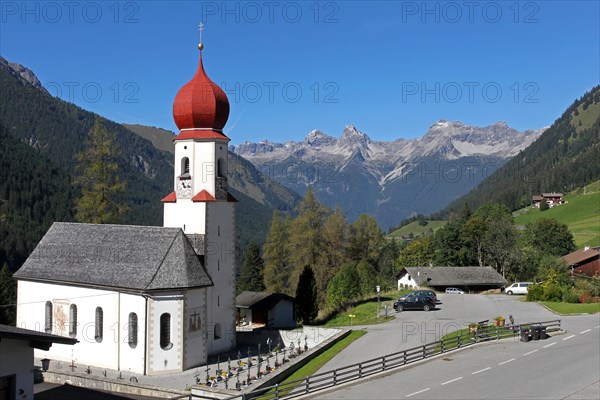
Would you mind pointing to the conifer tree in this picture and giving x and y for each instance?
(277, 269)
(8, 297)
(307, 307)
(251, 273)
(101, 187)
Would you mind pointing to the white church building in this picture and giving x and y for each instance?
(147, 299)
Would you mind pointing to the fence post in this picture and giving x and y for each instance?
(360, 370)
(277, 390)
(383, 363)
(459, 341)
(404, 357)
(442, 343)
(307, 380)
(334, 377)
(424, 352)
(497, 334)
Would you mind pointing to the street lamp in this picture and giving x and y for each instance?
(378, 290)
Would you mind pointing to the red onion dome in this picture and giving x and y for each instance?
(201, 104)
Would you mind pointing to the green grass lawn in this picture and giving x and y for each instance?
(416, 229)
(366, 311)
(581, 214)
(572, 308)
(317, 363)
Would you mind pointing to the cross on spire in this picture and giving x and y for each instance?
(200, 28)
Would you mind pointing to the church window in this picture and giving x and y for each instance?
(218, 230)
(217, 331)
(218, 264)
(185, 166)
(48, 321)
(133, 330)
(73, 320)
(220, 168)
(99, 333)
(218, 301)
(165, 331)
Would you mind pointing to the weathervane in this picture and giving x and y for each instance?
(200, 28)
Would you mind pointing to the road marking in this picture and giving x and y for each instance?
(453, 380)
(481, 370)
(506, 362)
(598, 327)
(569, 337)
(586, 331)
(532, 351)
(551, 344)
(420, 391)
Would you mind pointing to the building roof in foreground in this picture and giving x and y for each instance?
(38, 340)
(116, 256)
(455, 276)
(249, 299)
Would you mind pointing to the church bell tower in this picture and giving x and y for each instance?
(200, 203)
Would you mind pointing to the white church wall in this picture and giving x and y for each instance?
(32, 298)
(166, 358)
(187, 215)
(203, 166)
(132, 356)
(195, 332)
(220, 264)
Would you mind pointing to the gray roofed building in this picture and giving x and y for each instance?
(454, 276)
(116, 256)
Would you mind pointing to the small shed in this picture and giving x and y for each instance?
(262, 309)
(585, 261)
(440, 278)
(16, 359)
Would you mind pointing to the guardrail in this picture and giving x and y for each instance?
(390, 361)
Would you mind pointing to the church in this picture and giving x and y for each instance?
(145, 299)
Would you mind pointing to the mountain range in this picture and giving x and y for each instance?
(389, 180)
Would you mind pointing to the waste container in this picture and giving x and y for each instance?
(525, 335)
(535, 333)
(543, 334)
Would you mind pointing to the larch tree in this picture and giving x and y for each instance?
(101, 188)
(277, 269)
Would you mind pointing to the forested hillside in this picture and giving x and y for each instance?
(565, 157)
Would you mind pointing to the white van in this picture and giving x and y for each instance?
(517, 288)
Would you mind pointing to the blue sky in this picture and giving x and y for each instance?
(390, 68)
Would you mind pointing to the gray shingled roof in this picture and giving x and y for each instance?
(249, 299)
(455, 276)
(39, 340)
(119, 256)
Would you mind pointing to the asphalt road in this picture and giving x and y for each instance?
(414, 328)
(565, 366)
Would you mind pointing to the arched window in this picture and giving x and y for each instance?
(221, 168)
(217, 331)
(73, 321)
(133, 330)
(185, 165)
(165, 331)
(48, 321)
(99, 325)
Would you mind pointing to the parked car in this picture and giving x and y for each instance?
(517, 288)
(454, 290)
(428, 293)
(415, 302)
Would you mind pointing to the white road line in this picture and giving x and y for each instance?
(532, 351)
(506, 362)
(548, 345)
(598, 327)
(453, 380)
(586, 331)
(420, 391)
(569, 337)
(481, 370)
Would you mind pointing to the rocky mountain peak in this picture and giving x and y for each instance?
(23, 74)
(318, 138)
(352, 136)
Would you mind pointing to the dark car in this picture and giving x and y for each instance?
(415, 302)
(428, 293)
